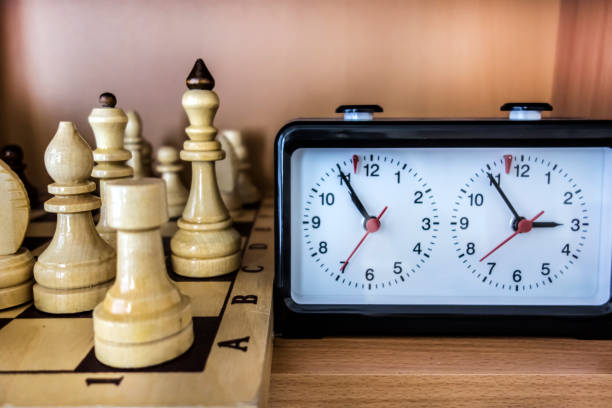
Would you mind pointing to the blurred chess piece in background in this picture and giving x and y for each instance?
(169, 168)
(249, 193)
(16, 262)
(227, 171)
(13, 156)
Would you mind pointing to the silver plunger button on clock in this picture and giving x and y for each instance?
(359, 112)
(525, 110)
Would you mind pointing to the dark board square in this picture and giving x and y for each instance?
(32, 313)
(4, 322)
(243, 228)
(193, 360)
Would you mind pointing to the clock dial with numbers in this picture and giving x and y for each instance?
(520, 226)
(369, 221)
(520, 223)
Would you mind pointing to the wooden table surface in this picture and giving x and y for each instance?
(441, 372)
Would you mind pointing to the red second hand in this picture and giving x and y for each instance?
(523, 226)
(372, 227)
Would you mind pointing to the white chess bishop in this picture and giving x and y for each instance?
(77, 268)
(205, 244)
(16, 262)
(144, 319)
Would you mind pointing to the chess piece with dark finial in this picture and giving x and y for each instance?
(108, 124)
(13, 156)
(205, 244)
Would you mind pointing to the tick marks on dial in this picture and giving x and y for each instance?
(537, 170)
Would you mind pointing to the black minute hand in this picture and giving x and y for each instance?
(353, 195)
(503, 196)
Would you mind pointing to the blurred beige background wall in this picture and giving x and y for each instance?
(273, 60)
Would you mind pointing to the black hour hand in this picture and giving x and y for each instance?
(353, 195)
(545, 224)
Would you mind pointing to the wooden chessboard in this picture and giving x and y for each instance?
(48, 360)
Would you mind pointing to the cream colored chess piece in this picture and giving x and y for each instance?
(108, 124)
(16, 262)
(205, 244)
(227, 178)
(169, 168)
(147, 154)
(134, 143)
(249, 194)
(144, 319)
(77, 268)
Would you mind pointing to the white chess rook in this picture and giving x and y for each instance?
(144, 319)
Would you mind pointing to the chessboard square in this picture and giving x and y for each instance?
(13, 312)
(35, 344)
(246, 216)
(207, 298)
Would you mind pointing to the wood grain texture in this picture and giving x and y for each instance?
(437, 391)
(583, 70)
(439, 372)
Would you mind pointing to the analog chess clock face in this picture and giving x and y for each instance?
(381, 219)
(488, 226)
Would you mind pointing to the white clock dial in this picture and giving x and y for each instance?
(520, 222)
(563, 258)
(369, 221)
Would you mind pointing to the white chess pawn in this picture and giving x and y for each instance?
(134, 143)
(77, 268)
(144, 319)
(249, 193)
(16, 262)
(108, 124)
(169, 167)
(227, 178)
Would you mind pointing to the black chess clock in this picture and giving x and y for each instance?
(494, 227)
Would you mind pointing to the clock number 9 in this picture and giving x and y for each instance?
(464, 222)
(316, 222)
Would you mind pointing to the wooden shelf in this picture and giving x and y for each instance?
(441, 372)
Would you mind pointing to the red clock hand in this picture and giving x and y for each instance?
(523, 226)
(372, 225)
